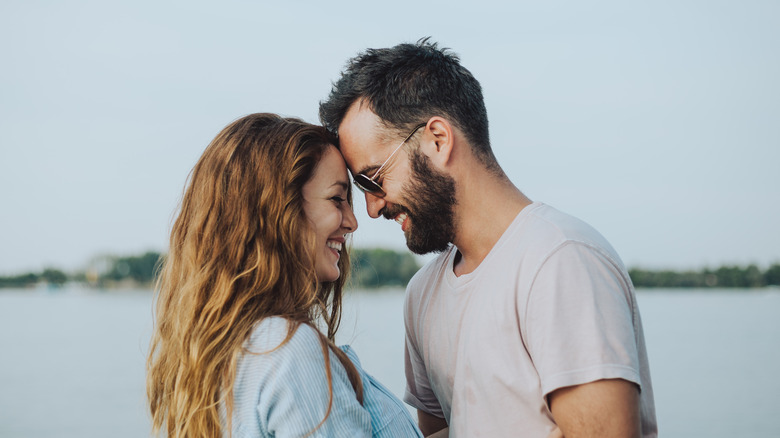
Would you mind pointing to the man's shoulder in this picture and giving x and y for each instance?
(556, 221)
(549, 227)
(536, 235)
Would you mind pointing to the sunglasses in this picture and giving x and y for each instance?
(369, 185)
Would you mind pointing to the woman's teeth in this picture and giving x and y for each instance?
(334, 245)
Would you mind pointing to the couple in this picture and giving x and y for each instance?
(525, 325)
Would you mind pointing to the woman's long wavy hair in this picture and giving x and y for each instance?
(241, 249)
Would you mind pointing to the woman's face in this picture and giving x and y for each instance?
(326, 207)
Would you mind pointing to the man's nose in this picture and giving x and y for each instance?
(374, 205)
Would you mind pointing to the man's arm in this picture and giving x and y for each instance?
(430, 424)
(604, 409)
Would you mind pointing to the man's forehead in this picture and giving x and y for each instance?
(359, 121)
(361, 135)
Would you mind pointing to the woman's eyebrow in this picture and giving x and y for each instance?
(343, 184)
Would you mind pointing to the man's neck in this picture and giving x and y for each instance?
(487, 205)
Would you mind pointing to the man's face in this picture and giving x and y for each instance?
(431, 209)
(417, 196)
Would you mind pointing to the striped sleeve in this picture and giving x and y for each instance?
(389, 416)
(290, 391)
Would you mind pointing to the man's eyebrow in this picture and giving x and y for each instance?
(367, 169)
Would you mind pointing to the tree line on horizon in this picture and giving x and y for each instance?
(371, 268)
(746, 277)
(374, 268)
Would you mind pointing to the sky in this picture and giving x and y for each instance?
(656, 122)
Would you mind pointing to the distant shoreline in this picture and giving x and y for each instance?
(373, 268)
(149, 288)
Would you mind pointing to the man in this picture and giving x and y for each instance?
(527, 319)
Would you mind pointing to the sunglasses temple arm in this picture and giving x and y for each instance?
(386, 161)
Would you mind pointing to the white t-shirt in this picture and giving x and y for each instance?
(550, 306)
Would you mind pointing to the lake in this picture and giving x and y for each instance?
(73, 361)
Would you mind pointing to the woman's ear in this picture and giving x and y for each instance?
(440, 141)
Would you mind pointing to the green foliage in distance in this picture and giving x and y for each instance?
(723, 277)
(377, 267)
(54, 277)
(19, 281)
(142, 269)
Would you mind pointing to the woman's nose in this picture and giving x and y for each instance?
(349, 221)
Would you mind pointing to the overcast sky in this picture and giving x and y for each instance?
(656, 122)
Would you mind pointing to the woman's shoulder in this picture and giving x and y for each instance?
(272, 363)
(269, 335)
(284, 387)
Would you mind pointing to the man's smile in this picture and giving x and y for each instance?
(401, 219)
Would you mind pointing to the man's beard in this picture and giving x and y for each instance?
(429, 200)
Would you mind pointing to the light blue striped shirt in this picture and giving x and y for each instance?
(284, 393)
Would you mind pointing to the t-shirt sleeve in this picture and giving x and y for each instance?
(295, 400)
(580, 320)
(418, 391)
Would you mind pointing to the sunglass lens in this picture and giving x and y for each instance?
(367, 185)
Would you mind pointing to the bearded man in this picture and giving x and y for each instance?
(527, 319)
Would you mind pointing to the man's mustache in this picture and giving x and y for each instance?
(392, 212)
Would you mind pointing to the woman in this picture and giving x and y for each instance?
(256, 262)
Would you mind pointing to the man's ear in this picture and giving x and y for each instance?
(441, 140)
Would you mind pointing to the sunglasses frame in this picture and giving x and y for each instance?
(369, 185)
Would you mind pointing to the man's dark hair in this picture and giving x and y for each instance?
(408, 84)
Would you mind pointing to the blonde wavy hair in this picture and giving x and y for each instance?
(241, 249)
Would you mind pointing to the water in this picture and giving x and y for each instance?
(714, 359)
(72, 362)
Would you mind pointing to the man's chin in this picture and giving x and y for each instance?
(426, 250)
(422, 248)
